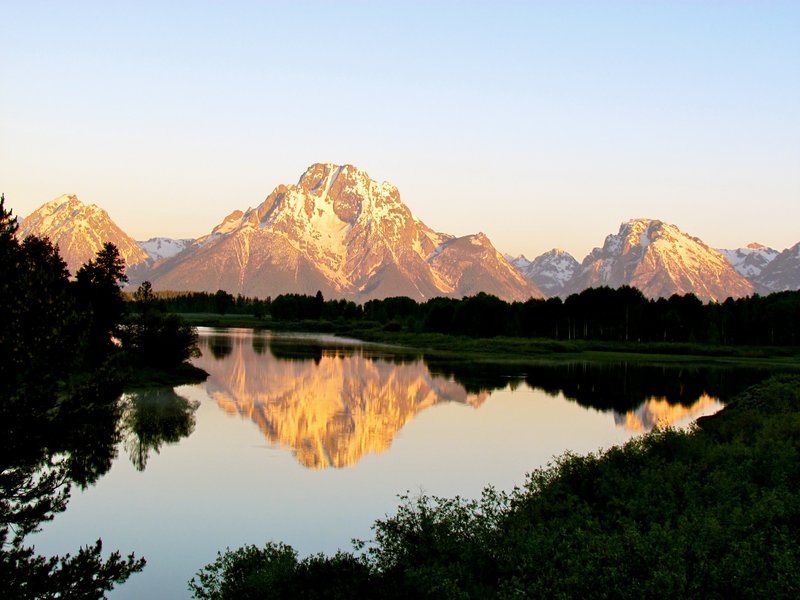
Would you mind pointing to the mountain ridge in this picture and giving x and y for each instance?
(338, 231)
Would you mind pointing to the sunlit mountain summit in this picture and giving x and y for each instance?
(340, 232)
(80, 230)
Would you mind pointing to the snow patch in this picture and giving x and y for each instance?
(160, 247)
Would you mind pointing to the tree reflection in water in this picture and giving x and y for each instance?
(152, 418)
(52, 441)
(220, 346)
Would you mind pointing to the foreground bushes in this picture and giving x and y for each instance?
(710, 513)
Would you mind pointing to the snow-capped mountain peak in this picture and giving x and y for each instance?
(660, 260)
(79, 230)
(751, 260)
(340, 232)
(158, 248)
(551, 271)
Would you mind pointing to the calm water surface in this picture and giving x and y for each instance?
(309, 439)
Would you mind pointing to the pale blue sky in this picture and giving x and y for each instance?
(540, 123)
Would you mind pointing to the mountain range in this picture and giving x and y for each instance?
(346, 235)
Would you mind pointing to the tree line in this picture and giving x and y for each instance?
(604, 314)
(67, 347)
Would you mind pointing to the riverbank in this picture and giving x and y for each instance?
(517, 350)
(147, 377)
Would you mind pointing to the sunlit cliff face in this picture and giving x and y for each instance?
(657, 412)
(330, 411)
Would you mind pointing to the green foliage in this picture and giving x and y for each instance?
(614, 316)
(274, 573)
(223, 301)
(98, 293)
(248, 572)
(153, 338)
(709, 513)
(58, 419)
(85, 575)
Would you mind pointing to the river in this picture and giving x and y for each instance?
(307, 439)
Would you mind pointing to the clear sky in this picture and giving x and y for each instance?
(542, 124)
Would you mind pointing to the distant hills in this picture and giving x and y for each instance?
(340, 232)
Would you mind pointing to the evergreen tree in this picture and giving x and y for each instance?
(98, 289)
(56, 427)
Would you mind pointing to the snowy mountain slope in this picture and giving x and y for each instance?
(336, 231)
(551, 272)
(751, 260)
(79, 230)
(162, 247)
(660, 260)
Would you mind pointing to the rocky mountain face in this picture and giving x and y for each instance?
(551, 272)
(79, 231)
(783, 271)
(751, 260)
(660, 260)
(342, 233)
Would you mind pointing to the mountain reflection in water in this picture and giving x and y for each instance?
(330, 405)
(331, 402)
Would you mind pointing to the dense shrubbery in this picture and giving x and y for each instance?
(710, 513)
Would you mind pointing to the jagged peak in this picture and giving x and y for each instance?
(556, 255)
(480, 239)
(642, 221)
(643, 232)
(322, 171)
(67, 202)
(556, 252)
(62, 200)
(323, 175)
